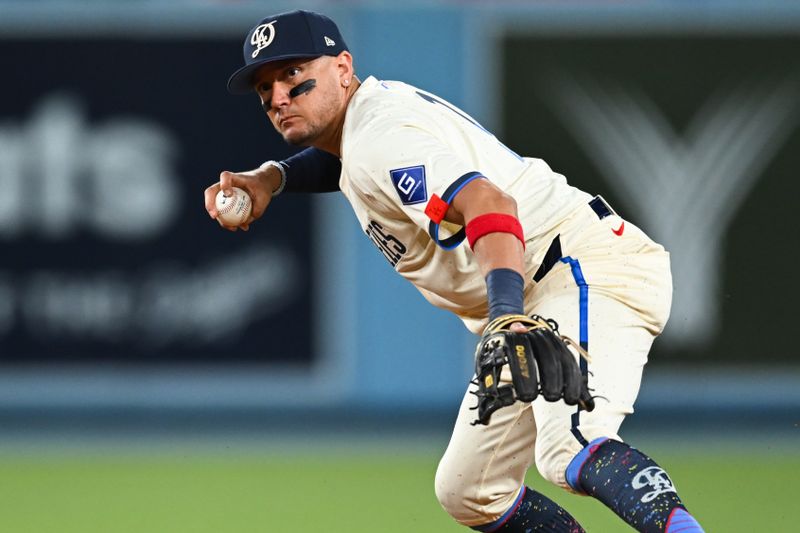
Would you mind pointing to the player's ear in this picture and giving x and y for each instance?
(344, 66)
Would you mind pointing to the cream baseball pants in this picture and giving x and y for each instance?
(608, 289)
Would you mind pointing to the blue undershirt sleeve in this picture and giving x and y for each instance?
(312, 170)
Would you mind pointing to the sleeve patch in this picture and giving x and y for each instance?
(409, 183)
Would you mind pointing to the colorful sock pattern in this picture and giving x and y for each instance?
(534, 512)
(632, 485)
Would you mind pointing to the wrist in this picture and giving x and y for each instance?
(275, 179)
(505, 291)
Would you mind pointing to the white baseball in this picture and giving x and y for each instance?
(233, 210)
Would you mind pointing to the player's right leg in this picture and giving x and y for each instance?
(480, 478)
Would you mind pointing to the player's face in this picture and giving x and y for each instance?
(302, 118)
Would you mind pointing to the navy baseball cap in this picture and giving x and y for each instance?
(290, 35)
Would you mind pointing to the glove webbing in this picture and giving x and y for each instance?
(502, 323)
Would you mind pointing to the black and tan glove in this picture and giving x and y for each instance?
(540, 361)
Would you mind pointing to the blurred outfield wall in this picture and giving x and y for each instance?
(678, 114)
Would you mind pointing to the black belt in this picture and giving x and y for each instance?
(600, 207)
(553, 254)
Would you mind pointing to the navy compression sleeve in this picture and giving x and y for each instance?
(505, 290)
(312, 170)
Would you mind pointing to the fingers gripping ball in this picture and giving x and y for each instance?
(540, 361)
(233, 210)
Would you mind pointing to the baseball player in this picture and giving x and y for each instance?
(494, 238)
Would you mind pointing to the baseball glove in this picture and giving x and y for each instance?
(540, 362)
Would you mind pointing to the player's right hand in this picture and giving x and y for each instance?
(259, 185)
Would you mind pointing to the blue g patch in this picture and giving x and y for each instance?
(409, 183)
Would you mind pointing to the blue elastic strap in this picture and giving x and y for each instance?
(583, 317)
(433, 229)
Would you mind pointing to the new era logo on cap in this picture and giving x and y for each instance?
(293, 35)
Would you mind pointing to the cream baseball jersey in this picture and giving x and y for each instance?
(403, 149)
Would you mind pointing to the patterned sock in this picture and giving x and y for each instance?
(534, 512)
(632, 485)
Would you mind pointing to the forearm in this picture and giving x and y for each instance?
(493, 229)
(312, 170)
(497, 241)
(499, 250)
(500, 257)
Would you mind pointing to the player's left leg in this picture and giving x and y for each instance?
(582, 451)
(611, 292)
(632, 485)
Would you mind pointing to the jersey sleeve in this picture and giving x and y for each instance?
(409, 166)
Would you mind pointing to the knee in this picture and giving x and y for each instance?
(552, 462)
(455, 495)
(468, 502)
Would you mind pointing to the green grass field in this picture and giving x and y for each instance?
(357, 491)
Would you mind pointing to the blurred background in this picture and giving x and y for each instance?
(160, 374)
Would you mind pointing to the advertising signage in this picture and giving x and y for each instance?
(107, 254)
(695, 138)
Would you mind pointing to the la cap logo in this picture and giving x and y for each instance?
(262, 36)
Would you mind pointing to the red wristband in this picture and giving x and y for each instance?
(493, 223)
